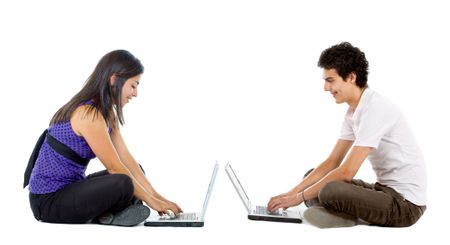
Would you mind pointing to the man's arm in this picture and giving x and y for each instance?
(345, 172)
(332, 162)
(330, 170)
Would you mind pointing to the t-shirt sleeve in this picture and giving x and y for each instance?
(346, 130)
(375, 122)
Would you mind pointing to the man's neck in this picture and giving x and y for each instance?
(353, 103)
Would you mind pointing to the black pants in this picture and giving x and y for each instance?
(85, 200)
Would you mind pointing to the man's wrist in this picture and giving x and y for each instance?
(301, 196)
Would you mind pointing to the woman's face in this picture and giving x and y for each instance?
(129, 89)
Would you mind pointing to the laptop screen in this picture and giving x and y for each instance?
(237, 185)
(210, 187)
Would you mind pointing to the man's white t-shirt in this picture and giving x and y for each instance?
(397, 159)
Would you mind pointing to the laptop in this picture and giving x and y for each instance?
(260, 212)
(185, 219)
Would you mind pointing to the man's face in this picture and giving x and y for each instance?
(339, 88)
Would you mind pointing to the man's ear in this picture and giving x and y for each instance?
(112, 80)
(351, 78)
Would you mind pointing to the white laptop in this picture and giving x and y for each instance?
(186, 219)
(260, 212)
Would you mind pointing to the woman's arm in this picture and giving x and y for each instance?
(133, 166)
(93, 128)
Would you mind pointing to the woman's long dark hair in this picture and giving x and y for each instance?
(106, 98)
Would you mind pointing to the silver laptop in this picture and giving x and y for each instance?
(186, 219)
(260, 212)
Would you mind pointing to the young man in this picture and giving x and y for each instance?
(373, 128)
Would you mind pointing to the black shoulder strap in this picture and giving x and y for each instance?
(66, 151)
(33, 157)
(59, 147)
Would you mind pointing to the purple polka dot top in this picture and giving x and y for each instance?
(52, 171)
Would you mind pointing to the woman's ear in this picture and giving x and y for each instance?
(112, 80)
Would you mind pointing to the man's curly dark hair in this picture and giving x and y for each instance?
(345, 59)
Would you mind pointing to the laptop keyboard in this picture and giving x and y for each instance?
(187, 216)
(263, 210)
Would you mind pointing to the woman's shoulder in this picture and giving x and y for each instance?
(86, 117)
(87, 111)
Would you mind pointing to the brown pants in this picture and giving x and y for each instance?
(374, 203)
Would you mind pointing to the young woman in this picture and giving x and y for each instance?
(84, 128)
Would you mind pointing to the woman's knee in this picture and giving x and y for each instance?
(123, 184)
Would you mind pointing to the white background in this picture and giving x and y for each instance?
(224, 80)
